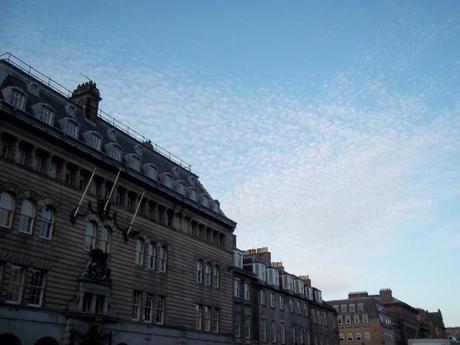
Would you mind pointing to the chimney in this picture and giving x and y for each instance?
(278, 265)
(306, 280)
(87, 95)
(386, 296)
(264, 255)
(358, 294)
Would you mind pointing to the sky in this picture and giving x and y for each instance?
(328, 130)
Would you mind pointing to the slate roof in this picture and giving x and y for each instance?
(12, 75)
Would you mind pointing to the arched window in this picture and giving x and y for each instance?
(207, 274)
(216, 276)
(16, 98)
(93, 139)
(26, 220)
(103, 241)
(163, 259)
(90, 235)
(47, 222)
(114, 151)
(139, 258)
(45, 113)
(152, 255)
(70, 127)
(199, 271)
(7, 206)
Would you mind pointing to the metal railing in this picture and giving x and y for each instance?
(149, 144)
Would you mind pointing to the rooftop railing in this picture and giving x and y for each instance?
(28, 69)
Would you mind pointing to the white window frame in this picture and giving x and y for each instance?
(17, 285)
(47, 222)
(7, 208)
(27, 217)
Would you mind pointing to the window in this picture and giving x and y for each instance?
(348, 320)
(216, 320)
(246, 291)
(358, 336)
(15, 284)
(70, 127)
(21, 155)
(99, 306)
(305, 308)
(103, 239)
(336, 307)
(198, 316)
(151, 258)
(302, 331)
(7, 206)
(237, 325)
(163, 259)
(350, 336)
(45, 114)
(199, 271)
(147, 309)
(135, 306)
(39, 162)
(339, 320)
(133, 161)
(160, 312)
(93, 139)
(27, 217)
(356, 319)
(216, 276)
(114, 151)
(90, 235)
(37, 283)
(367, 336)
(47, 222)
(263, 330)
(360, 307)
(247, 324)
(206, 318)
(272, 300)
(273, 331)
(87, 302)
(365, 319)
(151, 171)
(192, 195)
(294, 334)
(236, 287)
(297, 304)
(16, 98)
(283, 333)
(237, 259)
(291, 305)
(139, 257)
(351, 308)
(341, 336)
(180, 187)
(262, 297)
(343, 308)
(166, 180)
(52, 168)
(207, 274)
(281, 303)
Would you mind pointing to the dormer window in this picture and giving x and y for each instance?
(192, 194)
(45, 113)
(16, 98)
(167, 180)
(204, 200)
(33, 88)
(180, 187)
(133, 161)
(114, 151)
(151, 171)
(70, 127)
(93, 139)
(138, 149)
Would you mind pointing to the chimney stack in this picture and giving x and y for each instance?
(358, 294)
(386, 295)
(87, 95)
(306, 280)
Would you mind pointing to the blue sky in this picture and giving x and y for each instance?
(329, 130)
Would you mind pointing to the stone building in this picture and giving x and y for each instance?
(286, 309)
(102, 231)
(362, 319)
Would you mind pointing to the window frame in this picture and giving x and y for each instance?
(7, 220)
(30, 218)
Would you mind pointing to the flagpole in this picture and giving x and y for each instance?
(135, 213)
(111, 191)
(84, 194)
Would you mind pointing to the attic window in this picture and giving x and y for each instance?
(166, 180)
(93, 139)
(114, 151)
(111, 134)
(133, 161)
(180, 187)
(138, 150)
(204, 200)
(16, 98)
(44, 113)
(33, 88)
(151, 171)
(192, 194)
(71, 109)
(70, 127)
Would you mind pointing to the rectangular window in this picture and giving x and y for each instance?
(262, 297)
(247, 324)
(305, 307)
(360, 307)
(207, 318)
(263, 330)
(99, 307)
(135, 307)
(52, 169)
(367, 336)
(358, 336)
(302, 331)
(198, 316)
(15, 284)
(216, 320)
(339, 320)
(37, 282)
(160, 312)
(148, 306)
(342, 337)
(351, 308)
(297, 304)
(237, 325)
(350, 336)
(365, 319)
(246, 291)
(272, 300)
(87, 303)
(291, 305)
(281, 303)
(348, 320)
(283, 333)
(236, 287)
(273, 331)
(343, 308)
(356, 319)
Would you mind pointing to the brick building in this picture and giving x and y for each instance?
(101, 231)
